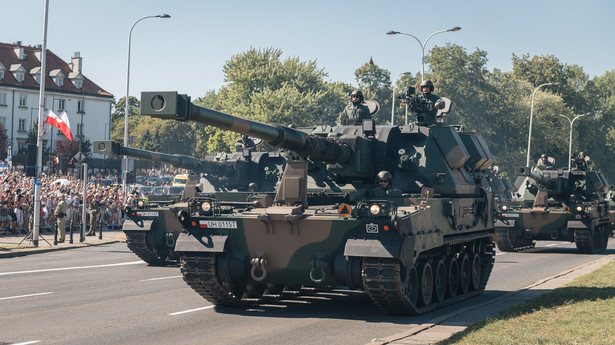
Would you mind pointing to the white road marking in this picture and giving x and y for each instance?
(28, 342)
(72, 268)
(22, 296)
(161, 278)
(190, 311)
(551, 245)
(500, 253)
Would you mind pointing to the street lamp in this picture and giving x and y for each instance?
(529, 136)
(456, 28)
(393, 101)
(570, 140)
(126, 109)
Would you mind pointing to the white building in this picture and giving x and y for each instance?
(87, 105)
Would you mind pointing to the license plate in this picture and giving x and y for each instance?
(147, 214)
(510, 215)
(218, 224)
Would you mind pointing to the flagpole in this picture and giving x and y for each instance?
(39, 142)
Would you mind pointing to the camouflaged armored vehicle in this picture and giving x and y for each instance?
(152, 227)
(555, 205)
(426, 246)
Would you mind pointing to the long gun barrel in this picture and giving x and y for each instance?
(540, 179)
(108, 147)
(171, 105)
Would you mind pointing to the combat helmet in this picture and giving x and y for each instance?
(357, 93)
(428, 83)
(384, 175)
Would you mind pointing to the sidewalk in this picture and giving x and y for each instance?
(10, 244)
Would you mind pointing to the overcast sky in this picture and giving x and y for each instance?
(187, 51)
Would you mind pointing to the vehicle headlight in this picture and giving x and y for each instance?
(140, 203)
(206, 206)
(579, 208)
(374, 209)
(504, 207)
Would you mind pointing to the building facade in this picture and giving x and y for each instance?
(87, 105)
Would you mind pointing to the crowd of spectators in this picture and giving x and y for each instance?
(17, 200)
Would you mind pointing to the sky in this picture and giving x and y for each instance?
(187, 52)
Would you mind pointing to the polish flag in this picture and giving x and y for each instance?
(60, 122)
(56, 160)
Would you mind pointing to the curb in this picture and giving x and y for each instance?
(417, 334)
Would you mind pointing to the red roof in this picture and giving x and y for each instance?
(8, 58)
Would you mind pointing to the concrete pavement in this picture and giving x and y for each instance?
(19, 245)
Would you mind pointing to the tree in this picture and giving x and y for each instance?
(375, 83)
(266, 88)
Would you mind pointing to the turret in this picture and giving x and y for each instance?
(221, 172)
(542, 180)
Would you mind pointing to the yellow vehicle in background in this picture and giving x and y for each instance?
(179, 180)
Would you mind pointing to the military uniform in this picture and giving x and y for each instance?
(94, 208)
(428, 117)
(388, 192)
(244, 143)
(354, 114)
(544, 164)
(61, 216)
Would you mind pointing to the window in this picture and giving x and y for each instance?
(3, 121)
(1, 74)
(59, 81)
(23, 101)
(2, 98)
(22, 125)
(61, 104)
(19, 77)
(79, 129)
(78, 84)
(80, 106)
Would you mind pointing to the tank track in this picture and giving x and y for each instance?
(137, 243)
(382, 280)
(590, 241)
(200, 273)
(505, 244)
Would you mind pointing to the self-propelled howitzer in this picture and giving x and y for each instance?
(555, 205)
(424, 245)
(152, 227)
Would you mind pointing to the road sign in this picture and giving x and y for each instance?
(80, 157)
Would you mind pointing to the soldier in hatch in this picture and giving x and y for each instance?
(384, 189)
(355, 112)
(431, 105)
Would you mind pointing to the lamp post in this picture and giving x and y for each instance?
(393, 101)
(456, 28)
(529, 136)
(570, 139)
(126, 108)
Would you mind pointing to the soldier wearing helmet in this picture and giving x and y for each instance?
(384, 189)
(355, 112)
(544, 163)
(252, 187)
(581, 161)
(431, 102)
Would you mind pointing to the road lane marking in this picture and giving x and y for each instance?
(72, 268)
(190, 311)
(28, 342)
(551, 245)
(161, 278)
(22, 296)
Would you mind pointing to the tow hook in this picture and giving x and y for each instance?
(259, 263)
(318, 263)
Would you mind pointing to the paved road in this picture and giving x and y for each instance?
(105, 295)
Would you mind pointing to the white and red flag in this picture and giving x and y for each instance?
(56, 160)
(60, 122)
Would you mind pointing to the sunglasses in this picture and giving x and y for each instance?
(383, 181)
